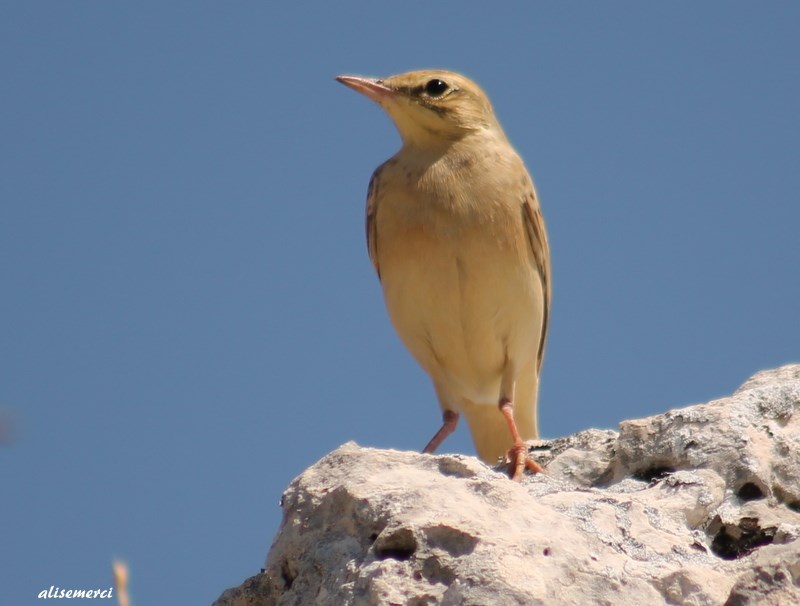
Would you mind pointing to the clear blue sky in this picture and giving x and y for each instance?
(189, 317)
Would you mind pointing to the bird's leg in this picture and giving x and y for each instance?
(517, 455)
(449, 422)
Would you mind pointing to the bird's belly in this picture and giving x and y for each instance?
(465, 310)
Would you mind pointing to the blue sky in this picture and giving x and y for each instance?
(189, 316)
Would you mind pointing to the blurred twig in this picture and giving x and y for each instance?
(121, 582)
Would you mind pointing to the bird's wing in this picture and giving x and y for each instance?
(537, 239)
(371, 225)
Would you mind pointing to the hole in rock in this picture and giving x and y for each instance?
(653, 474)
(750, 492)
(286, 575)
(398, 545)
(734, 541)
(395, 553)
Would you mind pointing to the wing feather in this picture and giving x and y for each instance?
(537, 239)
(371, 223)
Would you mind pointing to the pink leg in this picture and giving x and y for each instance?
(449, 422)
(517, 454)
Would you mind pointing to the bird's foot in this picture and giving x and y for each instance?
(518, 460)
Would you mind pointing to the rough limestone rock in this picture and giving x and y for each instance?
(697, 506)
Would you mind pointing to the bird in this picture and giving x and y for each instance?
(456, 235)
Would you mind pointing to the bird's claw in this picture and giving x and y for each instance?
(518, 460)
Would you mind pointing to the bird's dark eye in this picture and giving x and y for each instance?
(436, 88)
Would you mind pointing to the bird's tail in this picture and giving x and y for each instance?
(490, 432)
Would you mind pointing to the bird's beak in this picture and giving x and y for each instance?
(373, 88)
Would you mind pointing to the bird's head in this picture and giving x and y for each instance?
(429, 107)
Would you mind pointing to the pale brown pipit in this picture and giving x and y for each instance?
(456, 235)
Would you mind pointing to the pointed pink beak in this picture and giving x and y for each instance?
(373, 88)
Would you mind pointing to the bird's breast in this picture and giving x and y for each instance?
(460, 289)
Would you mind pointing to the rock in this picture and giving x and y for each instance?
(697, 506)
